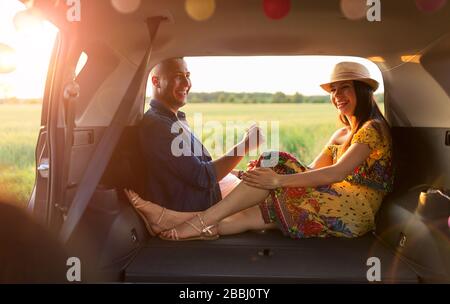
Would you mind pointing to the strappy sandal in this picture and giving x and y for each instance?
(134, 203)
(205, 233)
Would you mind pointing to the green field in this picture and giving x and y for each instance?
(303, 130)
(19, 127)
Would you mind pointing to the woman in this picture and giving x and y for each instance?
(337, 195)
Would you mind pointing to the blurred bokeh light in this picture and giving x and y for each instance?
(354, 9)
(126, 6)
(276, 9)
(200, 10)
(430, 6)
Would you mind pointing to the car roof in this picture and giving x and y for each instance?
(239, 28)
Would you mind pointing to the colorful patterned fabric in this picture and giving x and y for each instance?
(344, 209)
(376, 171)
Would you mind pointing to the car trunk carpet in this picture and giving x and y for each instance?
(266, 257)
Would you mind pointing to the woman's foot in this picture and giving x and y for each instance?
(156, 218)
(195, 228)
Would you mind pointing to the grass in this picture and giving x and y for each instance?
(303, 128)
(303, 131)
(19, 127)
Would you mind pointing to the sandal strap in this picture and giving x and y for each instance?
(173, 234)
(138, 206)
(208, 229)
(204, 227)
(136, 199)
(202, 222)
(161, 216)
(194, 226)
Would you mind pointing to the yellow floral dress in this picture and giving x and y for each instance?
(343, 209)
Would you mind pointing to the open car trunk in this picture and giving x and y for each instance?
(410, 241)
(412, 244)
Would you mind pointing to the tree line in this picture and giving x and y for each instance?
(229, 97)
(278, 97)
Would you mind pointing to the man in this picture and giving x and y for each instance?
(190, 181)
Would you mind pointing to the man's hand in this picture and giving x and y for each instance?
(253, 138)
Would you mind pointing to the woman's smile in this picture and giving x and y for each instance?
(342, 104)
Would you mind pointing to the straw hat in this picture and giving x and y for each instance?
(350, 71)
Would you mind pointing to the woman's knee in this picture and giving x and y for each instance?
(280, 162)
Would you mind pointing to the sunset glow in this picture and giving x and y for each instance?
(32, 41)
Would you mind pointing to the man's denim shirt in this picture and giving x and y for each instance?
(180, 174)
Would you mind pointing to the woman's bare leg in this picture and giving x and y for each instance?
(241, 198)
(245, 220)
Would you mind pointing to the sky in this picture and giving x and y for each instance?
(287, 74)
(34, 43)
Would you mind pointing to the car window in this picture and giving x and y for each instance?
(280, 93)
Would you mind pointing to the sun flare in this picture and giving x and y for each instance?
(32, 41)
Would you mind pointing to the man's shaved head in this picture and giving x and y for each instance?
(165, 66)
(171, 83)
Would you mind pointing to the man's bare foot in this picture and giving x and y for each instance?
(158, 218)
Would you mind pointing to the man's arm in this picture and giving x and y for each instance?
(224, 165)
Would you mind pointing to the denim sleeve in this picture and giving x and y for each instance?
(156, 141)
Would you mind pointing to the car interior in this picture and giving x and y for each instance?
(88, 138)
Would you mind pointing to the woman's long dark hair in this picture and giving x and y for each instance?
(366, 109)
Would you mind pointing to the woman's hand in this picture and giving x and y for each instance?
(263, 178)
